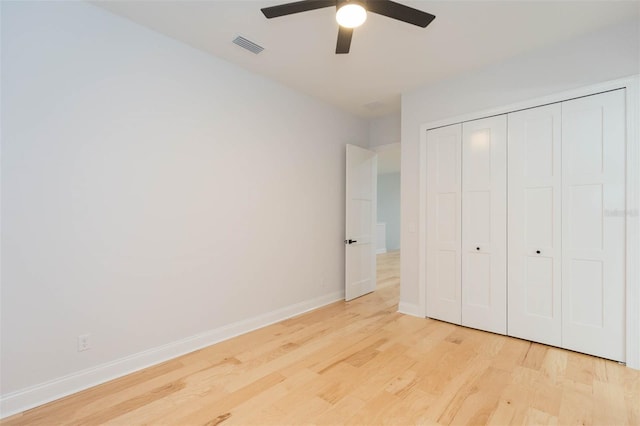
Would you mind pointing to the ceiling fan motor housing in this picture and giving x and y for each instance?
(340, 3)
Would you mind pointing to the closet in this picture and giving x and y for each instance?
(466, 251)
(522, 232)
(535, 199)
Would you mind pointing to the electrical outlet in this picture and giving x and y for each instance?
(84, 342)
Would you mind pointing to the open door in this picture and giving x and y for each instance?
(360, 240)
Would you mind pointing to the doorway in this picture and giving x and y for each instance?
(388, 215)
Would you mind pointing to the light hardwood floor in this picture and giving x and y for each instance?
(362, 363)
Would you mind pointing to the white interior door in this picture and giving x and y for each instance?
(593, 224)
(484, 224)
(360, 238)
(534, 218)
(444, 154)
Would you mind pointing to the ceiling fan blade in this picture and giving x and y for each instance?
(296, 7)
(344, 40)
(400, 12)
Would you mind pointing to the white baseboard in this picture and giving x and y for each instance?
(410, 309)
(381, 250)
(42, 393)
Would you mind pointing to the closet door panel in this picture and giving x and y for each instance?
(443, 223)
(593, 224)
(534, 218)
(484, 224)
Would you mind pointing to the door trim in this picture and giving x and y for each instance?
(632, 86)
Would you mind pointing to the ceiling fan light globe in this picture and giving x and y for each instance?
(351, 15)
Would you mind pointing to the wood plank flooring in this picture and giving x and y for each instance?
(361, 363)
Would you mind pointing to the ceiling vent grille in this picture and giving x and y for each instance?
(372, 106)
(248, 44)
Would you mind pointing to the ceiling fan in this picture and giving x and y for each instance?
(352, 13)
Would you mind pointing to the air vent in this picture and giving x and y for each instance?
(373, 106)
(248, 44)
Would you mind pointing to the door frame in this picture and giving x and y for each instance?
(632, 272)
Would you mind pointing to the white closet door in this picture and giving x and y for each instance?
(534, 218)
(593, 224)
(484, 224)
(443, 223)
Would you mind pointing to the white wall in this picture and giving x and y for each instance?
(384, 130)
(150, 193)
(389, 208)
(601, 56)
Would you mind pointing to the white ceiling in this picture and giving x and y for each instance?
(387, 57)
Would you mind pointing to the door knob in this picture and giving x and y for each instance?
(350, 241)
(478, 248)
(538, 251)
